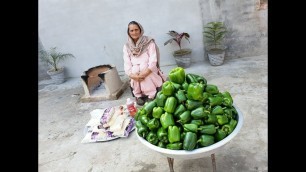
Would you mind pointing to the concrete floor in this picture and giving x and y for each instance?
(62, 118)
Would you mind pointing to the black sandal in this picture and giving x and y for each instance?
(140, 101)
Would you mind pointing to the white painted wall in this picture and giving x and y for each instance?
(95, 30)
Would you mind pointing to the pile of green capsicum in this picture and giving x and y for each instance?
(188, 113)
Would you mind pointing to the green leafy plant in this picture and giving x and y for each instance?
(52, 57)
(214, 33)
(177, 37)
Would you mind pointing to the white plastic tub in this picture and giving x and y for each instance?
(200, 152)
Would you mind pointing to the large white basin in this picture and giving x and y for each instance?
(200, 152)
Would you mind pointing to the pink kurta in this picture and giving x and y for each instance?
(147, 59)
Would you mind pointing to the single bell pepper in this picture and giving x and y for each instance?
(212, 89)
(157, 112)
(160, 99)
(168, 88)
(140, 112)
(180, 95)
(198, 122)
(220, 134)
(185, 117)
(190, 141)
(144, 119)
(162, 134)
(190, 128)
(212, 119)
(174, 146)
(228, 113)
(195, 91)
(208, 129)
(161, 144)
(206, 140)
(227, 99)
(174, 134)
(177, 75)
(183, 134)
(138, 124)
(170, 104)
(194, 78)
(152, 138)
(153, 124)
(228, 129)
(142, 130)
(199, 113)
(192, 104)
(166, 120)
(233, 123)
(217, 110)
(215, 100)
(185, 86)
(222, 119)
(149, 106)
(179, 110)
(176, 86)
(205, 96)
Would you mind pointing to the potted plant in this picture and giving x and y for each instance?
(182, 56)
(214, 33)
(52, 57)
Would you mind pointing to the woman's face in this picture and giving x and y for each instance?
(134, 32)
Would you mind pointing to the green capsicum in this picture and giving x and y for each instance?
(185, 117)
(228, 129)
(229, 113)
(174, 146)
(176, 86)
(206, 140)
(190, 128)
(181, 97)
(140, 112)
(179, 110)
(190, 141)
(170, 104)
(195, 91)
(212, 89)
(183, 134)
(215, 100)
(197, 121)
(144, 119)
(222, 119)
(205, 96)
(199, 113)
(212, 119)
(177, 75)
(174, 134)
(161, 144)
(233, 123)
(160, 99)
(217, 110)
(162, 134)
(220, 134)
(153, 124)
(166, 120)
(227, 99)
(194, 78)
(168, 88)
(185, 86)
(152, 138)
(192, 104)
(142, 129)
(148, 107)
(157, 112)
(208, 129)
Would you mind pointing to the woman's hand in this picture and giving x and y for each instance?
(137, 77)
(145, 73)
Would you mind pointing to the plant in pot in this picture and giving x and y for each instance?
(183, 55)
(53, 57)
(214, 33)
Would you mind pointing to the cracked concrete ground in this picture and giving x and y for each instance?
(62, 117)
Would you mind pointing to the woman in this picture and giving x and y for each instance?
(141, 56)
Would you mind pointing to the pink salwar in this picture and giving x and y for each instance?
(133, 64)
